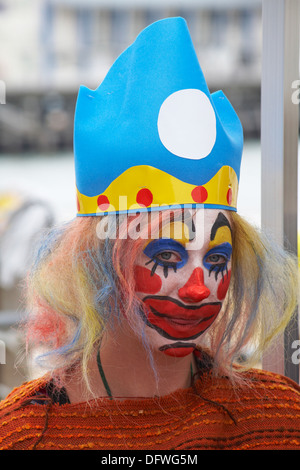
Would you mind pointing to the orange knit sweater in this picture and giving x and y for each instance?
(212, 415)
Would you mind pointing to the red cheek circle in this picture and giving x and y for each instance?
(144, 282)
(223, 286)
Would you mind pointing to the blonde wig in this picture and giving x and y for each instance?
(82, 278)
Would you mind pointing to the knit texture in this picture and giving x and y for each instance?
(265, 414)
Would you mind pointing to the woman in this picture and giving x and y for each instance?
(150, 308)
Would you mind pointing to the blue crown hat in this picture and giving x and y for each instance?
(151, 136)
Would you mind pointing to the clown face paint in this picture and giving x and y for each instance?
(183, 288)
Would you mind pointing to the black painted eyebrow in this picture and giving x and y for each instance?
(221, 221)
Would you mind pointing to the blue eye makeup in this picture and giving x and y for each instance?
(216, 259)
(160, 252)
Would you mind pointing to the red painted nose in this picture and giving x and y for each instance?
(194, 290)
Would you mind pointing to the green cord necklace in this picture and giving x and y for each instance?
(101, 371)
(105, 383)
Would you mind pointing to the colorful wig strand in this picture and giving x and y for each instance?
(82, 282)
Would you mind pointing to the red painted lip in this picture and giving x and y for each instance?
(178, 349)
(174, 320)
(178, 352)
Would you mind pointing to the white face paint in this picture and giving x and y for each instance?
(183, 285)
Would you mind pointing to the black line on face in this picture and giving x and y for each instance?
(221, 221)
(163, 332)
(177, 302)
(177, 345)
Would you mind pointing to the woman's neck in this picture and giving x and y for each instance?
(124, 368)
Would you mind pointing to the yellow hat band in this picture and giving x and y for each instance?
(128, 193)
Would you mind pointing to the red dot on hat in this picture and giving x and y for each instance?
(103, 202)
(144, 197)
(229, 196)
(199, 194)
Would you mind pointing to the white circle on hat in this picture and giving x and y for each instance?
(187, 124)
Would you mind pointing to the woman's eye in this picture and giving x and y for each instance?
(216, 259)
(167, 253)
(166, 259)
(168, 256)
(165, 256)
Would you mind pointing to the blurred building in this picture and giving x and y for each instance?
(49, 47)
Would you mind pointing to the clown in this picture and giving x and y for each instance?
(182, 311)
(142, 306)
